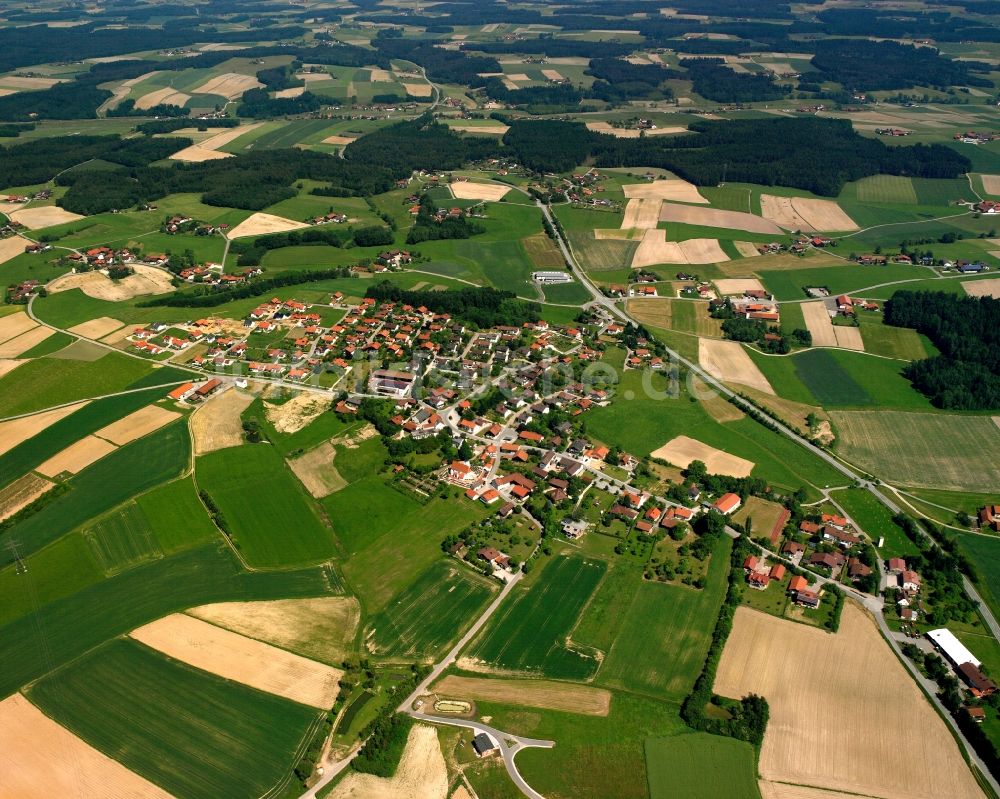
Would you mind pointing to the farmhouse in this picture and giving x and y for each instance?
(728, 503)
(979, 684)
(954, 650)
(485, 746)
(807, 598)
(182, 392)
(989, 517)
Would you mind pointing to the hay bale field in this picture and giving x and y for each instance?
(229, 85)
(236, 657)
(845, 715)
(983, 288)
(674, 190)
(45, 216)
(728, 361)
(713, 217)
(421, 773)
(806, 214)
(15, 324)
(818, 322)
(316, 470)
(737, 285)
(11, 247)
(145, 280)
(137, 424)
(930, 450)
(12, 348)
(96, 328)
(991, 184)
(681, 451)
(467, 190)
(642, 213)
(260, 224)
(76, 457)
(207, 150)
(216, 424)
(321, 627)
(17, 431)
(530, 693)
(418, 89)
(20, 493)
(40, 759)
(655, 249)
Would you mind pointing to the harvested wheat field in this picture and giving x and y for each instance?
(17, 431)
(492, 130)
(554, 74)
(167, 96)
(96, 328)
(380, 76)
(284, 94)
(802, 213)
(643, 214)
(207, 149)
(137, 424)
(40, 759)
(467, 190)
(531, 693)
(991, 184)
(14, 347)
(781, 790)
(340, 140)
(815, 684)
(320, 77)
(11, 247)
(236, 657)
(674, 190)
(421, 774)
(717, 406)
(262, 224)
(655, 249)
(144, 280)
(983, 288)
(728, 286)
(15, 324)
(747, 249)
(713, 217)
(8, 365)
(76, 456)
(17, 82)
(316, 471)
(849, 337)
(817, 319)
(728, 361)
(321, 627)
(629, 133)
(681, 450)
(45, 216)
(216, 424)
(300, 410)
(617, 234)
(418, 89)
(20, 493)
(229, 85)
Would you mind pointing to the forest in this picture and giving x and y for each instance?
(618, 81)
(427, 228)
(712, 79)
(484, 307)
(966, 331)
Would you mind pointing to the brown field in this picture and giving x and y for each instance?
(674, 190)
(728, 361)
(617, 234)
(546, 694)
(45, 216)
(467, 190)
(11, 247)
(15, 82)
(519, 77)
(713, 217)
(40, 759)
(418, 89)
(681, 450)
(781, 790)
(322, 628)
(983, 288)
(96, 328)
(207, 150)
(655, 249)
(137, 424)
(780, 211)
(76, 457)
(659, 312)
(316, 470)
(737, 285)
(6, 92)
(295, 91)
(145, 280)
(643, 214)
(236, 657)
(794, 413)
(17, 431)
(991, 184)
(8, 365)
(717, 406)
(20, 344)
(20, 493)
(747, 249)
(117, 336)
(167, 96)
(380, 76)
(216, 424)
(15, 324)
(492, 130)
(339, 139)
(552, 74)
(320, 77)
(229, 85)
(801, 213)
(421, 773)
(845, 715)
(262, 224)
(299, 411)
(628, 133)
(849, 338)
(818, 321)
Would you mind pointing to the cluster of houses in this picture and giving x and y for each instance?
(214, 275)
(975, 137)
(903, 584)
(751, 304)
(185, 224)
(193, 393)
(20, 293)
(848, 306)
(967, 667)
(332, 217)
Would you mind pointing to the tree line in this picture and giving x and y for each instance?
(484, 307)
(209, 297)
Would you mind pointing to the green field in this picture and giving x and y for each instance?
(122, 539)
(601, 255)
(790, 284)
(984, 552)
(901, 343)
(701, 766)
(280, 527)
(529, 634)
(418, 623)
(876, 520)
(192, 733)
(883, 189)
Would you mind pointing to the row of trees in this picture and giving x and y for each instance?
(484, 307)
(207, 297)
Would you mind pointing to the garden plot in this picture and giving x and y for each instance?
(467, 190)
(728, 361)
(316, 471)
(137, 424)
(76, 457)
(655, 249)
(145, 280)
(737, 285)
(983, 288)
(17, 431)
(681, 451)
(40, 759)
(547, 694)
(421, 773)
(18, 345)
(713, 217)
(217, 424)
(166, 96)
(260, 224)
(801, 213)
(45, 216)
(235, 657)
(12, 247)
(229, 85)
(208, 149)
(641, 213)
(20, 493)
(815, 684)
(673, 190)
(96, 328)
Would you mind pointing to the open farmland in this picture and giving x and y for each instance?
(419, 622)
(931, 450)
(421, 773)
(804, 214)
(800, 670)
(673, 190)
(217, 424)
(728, 361)
(655, 249)
(468, 190)
(192, 733)
(16, 431)
(713, 217)
(681, 451)
(700, 766)
(530, 633)
(547, 694)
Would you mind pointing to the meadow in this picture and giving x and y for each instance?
(281, 526)
(529, 634)
(701, 766)
(422, 620)
(901, 343)
(190, 732)
(790, 284)
(984, 552)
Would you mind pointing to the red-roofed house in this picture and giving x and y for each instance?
(728, 503)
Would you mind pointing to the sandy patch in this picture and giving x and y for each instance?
(737, 285)
(418, 89)
(17, 431)
(21, 344)
(15, 324)
(713, 217)
(167, 96)
(229, 85)
(319, 627)
(76, 457)
(421, 774)
(991, 184)
(40, 759)
(983, 288)
(655, 249)
(207, 150)
(236, 657)
(747, 249)
(20, 493)
(145, 280)
(728, 361)
(316, 470)
(498, 130)
(96, 328)
(849, 338)
(681, 451)
(339, 139)
(802, 213)
(675, 190)
(12, 247)
(380, 76)
(137, 424)
(13, 82)
(644, 214)
(295, 91)
(261, 224)
(216, 424)
(45, 216)
(467, 190)
(298, 412)
(815, 683)
(532, 693)
(818, 322)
